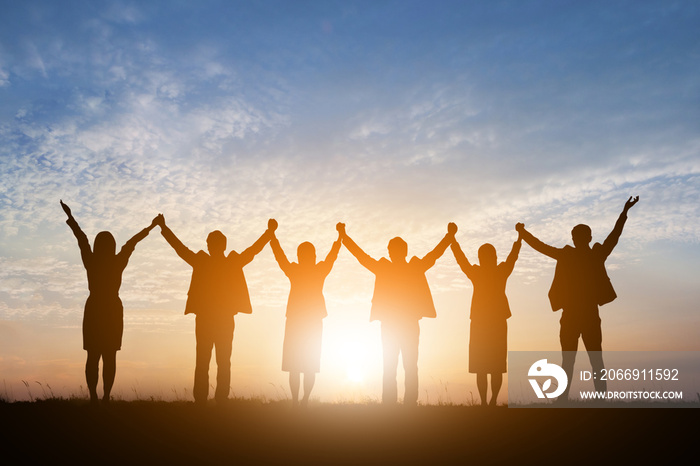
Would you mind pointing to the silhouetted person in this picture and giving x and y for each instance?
(218, 291)
(488, 332)
(401, 298)
(103, 318)
(580, 285)
(306, 308)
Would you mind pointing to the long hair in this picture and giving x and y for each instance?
(105, 245)
(487, 254)
(306, 253)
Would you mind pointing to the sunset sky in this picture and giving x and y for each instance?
(393, 117)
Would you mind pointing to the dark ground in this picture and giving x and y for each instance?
(250, 432)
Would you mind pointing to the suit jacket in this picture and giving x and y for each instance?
(580, 278)
(218, 285)
(401, 292)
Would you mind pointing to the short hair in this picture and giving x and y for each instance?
(581, 231)
(216, 239)
(399, 245)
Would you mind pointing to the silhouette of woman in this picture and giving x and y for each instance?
(488, 331)
(306, 308)
(103, 319)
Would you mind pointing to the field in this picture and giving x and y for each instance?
(255, 432)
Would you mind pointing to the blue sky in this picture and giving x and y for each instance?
(395, 117)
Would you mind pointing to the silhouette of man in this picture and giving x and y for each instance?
(401, 298)
(217, 292)
(580, 285)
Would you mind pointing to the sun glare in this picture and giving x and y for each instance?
(355, 361)
(353, 356)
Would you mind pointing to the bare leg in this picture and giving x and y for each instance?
(309, 380)
(109, 371)
(482, 385)
(92, 374)
(294, 380)
(496, 382)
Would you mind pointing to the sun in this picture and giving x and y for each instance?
(354, 355)
(355, 374)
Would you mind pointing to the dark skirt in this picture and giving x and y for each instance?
(488, 346)
(103, 324)
(301, 351)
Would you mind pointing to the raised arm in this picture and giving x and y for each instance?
(430, 258)
(328, 262)
(362, 257)
(513, 256)
(279, 254)
(536, 244)
(461, 259)
(259, 244)
(83, 243)
(129, 246)
(183, 251)
(612, 239)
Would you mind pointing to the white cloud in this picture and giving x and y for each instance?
(122, 12)
(4, 78)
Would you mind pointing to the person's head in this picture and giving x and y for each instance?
(487, 255)
(216, 242)
(398, 249)
(105, 245)
(306, 253)
(581, 235)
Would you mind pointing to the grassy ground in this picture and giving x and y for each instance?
(253, 432)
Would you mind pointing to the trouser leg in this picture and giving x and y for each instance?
(224, 346)
(409, 354)
(568, 337)
(593, 340)
(390, 353)
(205, 344)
